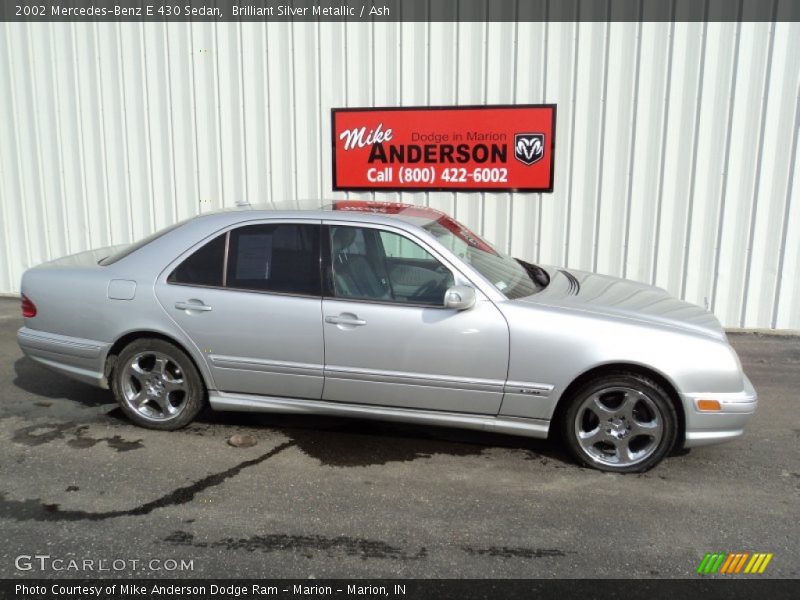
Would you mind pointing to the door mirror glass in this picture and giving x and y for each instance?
(459, 297)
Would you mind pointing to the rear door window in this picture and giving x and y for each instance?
(280, 257)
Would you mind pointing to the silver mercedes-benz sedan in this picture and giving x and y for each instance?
(385, 311)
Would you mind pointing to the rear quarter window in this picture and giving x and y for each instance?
(204, 267)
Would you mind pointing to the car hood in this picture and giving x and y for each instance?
(621, 298)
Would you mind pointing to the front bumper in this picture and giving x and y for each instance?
(77, 358)
(704, 428)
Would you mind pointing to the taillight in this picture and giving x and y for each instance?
(28, 307)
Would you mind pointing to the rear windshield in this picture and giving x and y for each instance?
(130, 249)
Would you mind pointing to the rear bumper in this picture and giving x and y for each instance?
(736, 409)
(77, 358)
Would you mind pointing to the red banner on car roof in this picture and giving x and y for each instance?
(464, 148)
(411, 210)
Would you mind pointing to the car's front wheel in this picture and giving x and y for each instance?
(620, 422)
(157, 385)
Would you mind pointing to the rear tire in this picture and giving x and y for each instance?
(157, 385)
(620, 422)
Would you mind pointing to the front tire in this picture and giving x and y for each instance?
(157, 385)
(622, 422)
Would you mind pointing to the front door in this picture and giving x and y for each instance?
(256, 317)
(389, 340)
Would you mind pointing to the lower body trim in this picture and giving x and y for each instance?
(534, 428)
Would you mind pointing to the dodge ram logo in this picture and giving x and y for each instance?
(528, 147)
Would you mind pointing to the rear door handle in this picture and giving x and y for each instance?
(196, 305)
(345, 320)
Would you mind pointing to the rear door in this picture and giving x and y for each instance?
(250, 300)
(388, 338)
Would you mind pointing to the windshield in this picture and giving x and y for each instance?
(514, 278)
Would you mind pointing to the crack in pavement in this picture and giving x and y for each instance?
(514, 552)
(36, 510)
(305, 545)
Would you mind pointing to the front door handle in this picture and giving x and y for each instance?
(345, 320)
(196, 305)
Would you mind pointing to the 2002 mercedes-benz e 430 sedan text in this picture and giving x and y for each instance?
(385, 311)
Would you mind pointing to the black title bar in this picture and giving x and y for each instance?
(398, 10)
(397, 589)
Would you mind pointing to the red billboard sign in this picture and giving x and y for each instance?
(461, 148)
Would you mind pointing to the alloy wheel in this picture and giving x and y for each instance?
(153, 385)
(619, 426)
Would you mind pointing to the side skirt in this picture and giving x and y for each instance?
(223, 401)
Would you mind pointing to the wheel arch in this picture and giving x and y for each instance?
(606, 369)
(131, 336)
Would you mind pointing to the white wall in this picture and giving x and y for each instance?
(676, 143)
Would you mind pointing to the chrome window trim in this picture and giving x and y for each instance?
(386, 302)
(247, 290)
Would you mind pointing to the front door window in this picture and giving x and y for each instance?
(371, 264)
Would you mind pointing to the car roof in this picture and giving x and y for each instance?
(392, 213)
(406, 216)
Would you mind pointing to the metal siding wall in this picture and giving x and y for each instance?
(676, 154)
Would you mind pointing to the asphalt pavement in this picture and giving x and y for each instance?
(324, 497)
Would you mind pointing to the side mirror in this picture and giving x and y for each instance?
(460, 297)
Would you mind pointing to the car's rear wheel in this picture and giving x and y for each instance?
(621, 422)
(157, 385)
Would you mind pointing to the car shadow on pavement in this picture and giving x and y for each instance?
(35, 379)
(333, 441)
(348, 442)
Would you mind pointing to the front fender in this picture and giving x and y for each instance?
(551, 347)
